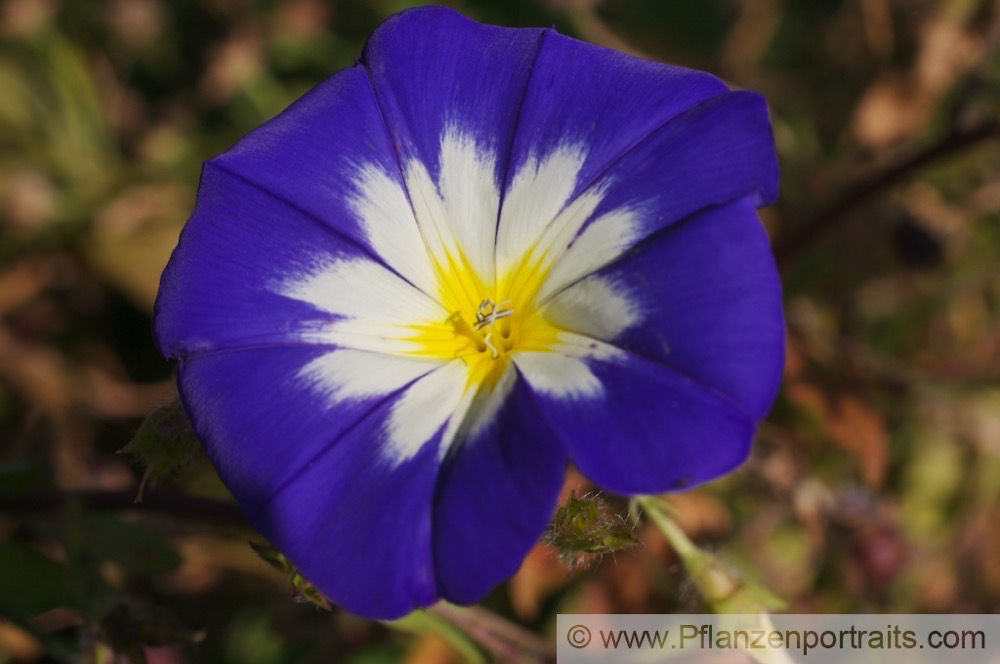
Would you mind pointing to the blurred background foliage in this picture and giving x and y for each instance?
(874, 485)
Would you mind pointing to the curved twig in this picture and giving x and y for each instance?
(862, 191)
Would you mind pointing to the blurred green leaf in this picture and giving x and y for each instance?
(22, 476)
(381, 654)
(31, 583)
(251, 639)
(129, 627)
(136, 548)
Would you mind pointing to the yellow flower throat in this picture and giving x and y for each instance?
(486, 323)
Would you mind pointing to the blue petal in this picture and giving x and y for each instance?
(310, 156)
(718, 151)
(261, 420)
(358, 528)
(312, 476)
(708, 299)
(219, 288)
(607, 101)
(651, 430)
(434, 70)
(496, 493)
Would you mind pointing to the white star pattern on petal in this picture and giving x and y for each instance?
(462, 299)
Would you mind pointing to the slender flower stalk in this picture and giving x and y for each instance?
(741, 604)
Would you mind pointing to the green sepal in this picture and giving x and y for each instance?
(304, 591)
(585, 529)
(165, 442)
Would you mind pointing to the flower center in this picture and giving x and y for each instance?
(486, 325)
(484, 331)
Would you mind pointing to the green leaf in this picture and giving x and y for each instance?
(251, 638)
(22, 476)
(136, 548)
(31, 583)
(130, 626)
(164, 443)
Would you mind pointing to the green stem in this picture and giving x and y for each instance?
(425, 622)
(473, 629)
(722, 588)
(656, 510)
(742, 604)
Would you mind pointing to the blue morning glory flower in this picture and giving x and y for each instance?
(400, 307)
